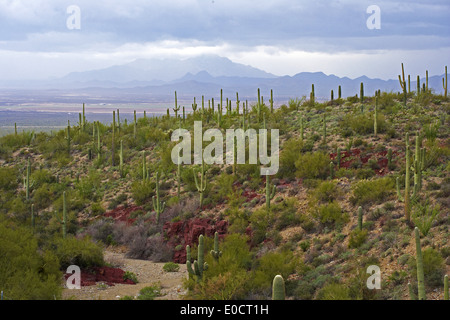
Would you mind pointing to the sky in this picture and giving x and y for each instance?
(42, 39)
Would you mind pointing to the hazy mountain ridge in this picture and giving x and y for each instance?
(157, 79)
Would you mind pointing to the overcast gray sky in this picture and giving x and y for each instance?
(283, 37)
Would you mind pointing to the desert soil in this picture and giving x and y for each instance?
(148, 273)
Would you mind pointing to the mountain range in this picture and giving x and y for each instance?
(156, 80)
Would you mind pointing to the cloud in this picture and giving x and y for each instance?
(117, 31)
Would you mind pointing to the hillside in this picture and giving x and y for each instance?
(338, 204)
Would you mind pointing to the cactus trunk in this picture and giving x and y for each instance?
(419, 262)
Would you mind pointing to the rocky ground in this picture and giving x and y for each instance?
(148, 273)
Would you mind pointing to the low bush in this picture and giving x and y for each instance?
(372, 191)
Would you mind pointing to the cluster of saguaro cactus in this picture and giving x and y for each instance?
(158, 205)
(419, 160)
(278, 288)
(199, 265)
(270, 192)
(419, 263)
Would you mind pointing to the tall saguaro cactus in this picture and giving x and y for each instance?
(406, 197)
(158, 205)
(63, 221)
(177, 107)
(199, 265)
(375, 117)
(270, 192)
(403, 84)
(121, 160)
(68, 137)
(444, 83)
(27, 180)
(419, 263)
(361, 92)
(201, 187)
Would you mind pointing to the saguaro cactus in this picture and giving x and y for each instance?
(278, 288)
(113, 154)
(361, 92)
(270, 192)
(68, 137)
(360, 218)
(177, 107)
(33, 223)
(419, 262)
(406, 197)
(63, 221)
(216, 253)
(144, 167)
(271, 101)
(28, 185)
(403, 84)
(201, 187)
(446, 287)
(121, 159)
(375, 117)
(199, 266)
(312, 95)
(444, 83)
(158, 206)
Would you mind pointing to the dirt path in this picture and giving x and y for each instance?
(148, 273)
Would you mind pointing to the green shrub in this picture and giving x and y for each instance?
(8, 178)
(81, 252)
(326, 191)
(433, 267)
(331, 214)
(312, 165)
(357, 238)
(26, 272)
(271, 264)
(290, 153)
(128, 275)
(141, 191)
(334, 291)
(372, 191)
(150, 292)
(171, 267)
